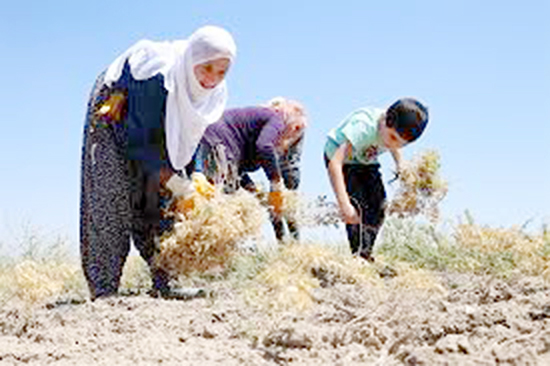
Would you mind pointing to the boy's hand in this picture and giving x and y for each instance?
(403, 167)
(349, 214)
(401, 170)
(395, 177)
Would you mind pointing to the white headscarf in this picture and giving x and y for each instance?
(190, 108)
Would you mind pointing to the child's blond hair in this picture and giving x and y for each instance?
(290, 109)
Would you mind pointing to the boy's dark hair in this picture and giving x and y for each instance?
(409, 117)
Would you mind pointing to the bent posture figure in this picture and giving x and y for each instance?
(146, 115)
(351, 157)
(247, 139)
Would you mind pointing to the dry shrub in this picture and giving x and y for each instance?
(292, 205)
(207, 230)
(420, 188)
(487, 239)
(6, 286)
(290, 276)
(420, 191)
(525, 252)
(35, 281)
(136, 274)
(469, 247)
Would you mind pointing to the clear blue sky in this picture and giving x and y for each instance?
(482, 67)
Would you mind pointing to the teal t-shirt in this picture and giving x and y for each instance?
(360, 129)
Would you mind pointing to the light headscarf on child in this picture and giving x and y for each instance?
(190, 108)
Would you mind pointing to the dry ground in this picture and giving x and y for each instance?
(476, 320)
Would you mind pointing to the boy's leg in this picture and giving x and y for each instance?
(365, 187)
(373, 215)
(354, 188)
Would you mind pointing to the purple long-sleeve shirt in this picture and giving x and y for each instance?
(249, 135)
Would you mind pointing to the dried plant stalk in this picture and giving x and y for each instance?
(207, 230)
(420, 188)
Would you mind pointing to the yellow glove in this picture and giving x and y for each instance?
(113, 109)
(275, 201)
(202, 186)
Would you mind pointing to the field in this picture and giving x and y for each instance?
(438, 294)
(427, 300)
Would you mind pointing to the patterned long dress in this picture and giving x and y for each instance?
(120, 169)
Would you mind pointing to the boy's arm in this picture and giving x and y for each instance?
(399, 164)
(336, 174)
(396, 154)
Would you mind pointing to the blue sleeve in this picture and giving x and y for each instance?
(145, 121)
(120, 85)
(200, 161)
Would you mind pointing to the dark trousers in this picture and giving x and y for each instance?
(291, 179)
(279, 227)
(367, 194)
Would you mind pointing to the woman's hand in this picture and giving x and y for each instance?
(165, 175)
(349, 214)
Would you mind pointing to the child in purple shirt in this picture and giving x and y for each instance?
(247, 139)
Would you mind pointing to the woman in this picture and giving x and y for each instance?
(146, 115)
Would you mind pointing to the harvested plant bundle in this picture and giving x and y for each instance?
(208, 226)
(420, 188)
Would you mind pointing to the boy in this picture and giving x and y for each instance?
(351, 157)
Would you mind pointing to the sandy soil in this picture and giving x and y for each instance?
(479, 321)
